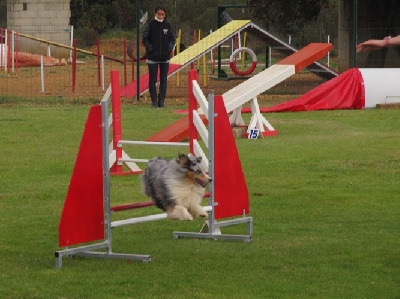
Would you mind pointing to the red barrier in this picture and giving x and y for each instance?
(82, 218)
(230, 191)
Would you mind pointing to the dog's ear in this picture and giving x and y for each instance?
(183, 160)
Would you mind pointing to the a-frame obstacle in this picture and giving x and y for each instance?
(85, 227)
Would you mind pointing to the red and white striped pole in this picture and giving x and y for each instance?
(116, 120)
(192, 106)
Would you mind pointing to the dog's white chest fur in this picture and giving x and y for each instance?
(185, 194)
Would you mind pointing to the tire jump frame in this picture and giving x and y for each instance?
(85, 227)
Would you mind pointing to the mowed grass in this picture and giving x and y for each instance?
(324, 197)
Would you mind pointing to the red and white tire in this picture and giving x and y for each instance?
(232, 62)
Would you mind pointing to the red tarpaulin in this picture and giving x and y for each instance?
(346, 91)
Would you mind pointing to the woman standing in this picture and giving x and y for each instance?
(159, 40)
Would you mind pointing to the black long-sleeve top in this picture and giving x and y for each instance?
(159, 40)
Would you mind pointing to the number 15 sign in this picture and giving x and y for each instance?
(254, 133)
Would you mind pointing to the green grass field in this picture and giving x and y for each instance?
(324, 198)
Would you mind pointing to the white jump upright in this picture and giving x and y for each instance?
(85, 227)
(117, 157)
(228, 189)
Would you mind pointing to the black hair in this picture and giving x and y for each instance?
(160, 7)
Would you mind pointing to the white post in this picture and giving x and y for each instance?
(328, 52)
(239, 46)
(71, 41)
(270, 57)
(290, 39)
(48, 51)
(42, 72)
(211, 51)
(12, 51)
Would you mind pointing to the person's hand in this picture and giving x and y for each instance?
(371, 45)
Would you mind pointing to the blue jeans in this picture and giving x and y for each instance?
(153, 70)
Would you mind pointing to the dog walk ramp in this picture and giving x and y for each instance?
(189, 55)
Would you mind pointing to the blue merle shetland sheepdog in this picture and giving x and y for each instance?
(177, 187)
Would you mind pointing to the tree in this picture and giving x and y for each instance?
(3, 13)
(286, 16)
(102, 15)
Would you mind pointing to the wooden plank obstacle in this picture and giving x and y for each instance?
(85, 227)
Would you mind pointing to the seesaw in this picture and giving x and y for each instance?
(248, 91)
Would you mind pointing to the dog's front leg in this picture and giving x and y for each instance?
(197, 211)
(179, 213)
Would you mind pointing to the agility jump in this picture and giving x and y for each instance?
(87, 212)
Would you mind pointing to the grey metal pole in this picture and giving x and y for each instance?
(355, 28)
(106, 176)
(211, 171)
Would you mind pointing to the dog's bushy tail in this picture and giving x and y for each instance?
(143, 183)
(153, 183)
(154, 169)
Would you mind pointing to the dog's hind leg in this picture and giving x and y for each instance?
(179, 213)
(197, 211)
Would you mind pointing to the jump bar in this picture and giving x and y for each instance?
(133, 142)
(147, 218)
